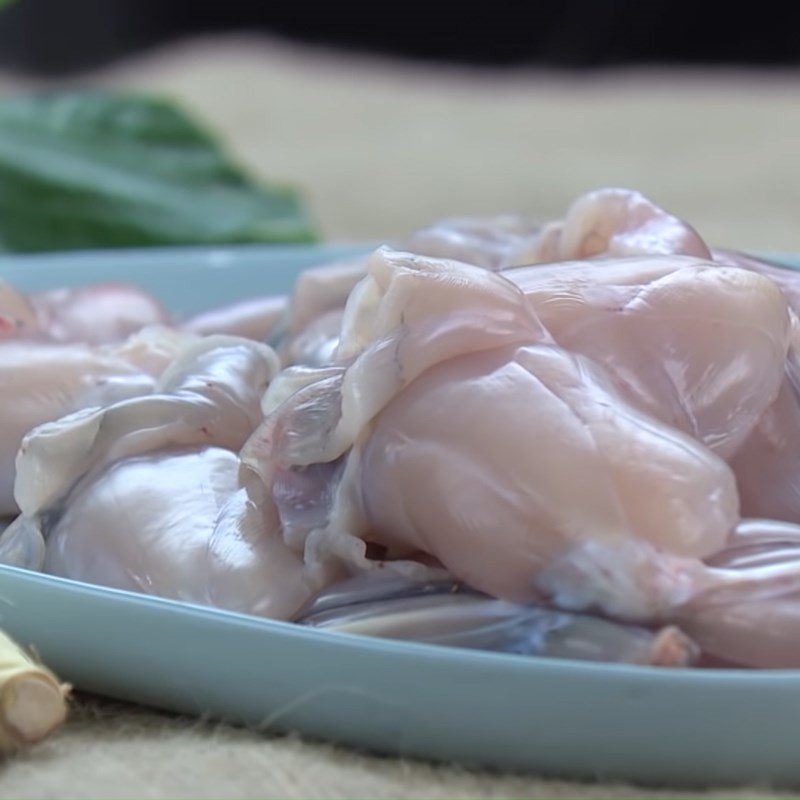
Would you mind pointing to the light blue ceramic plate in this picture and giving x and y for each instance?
(679, 727)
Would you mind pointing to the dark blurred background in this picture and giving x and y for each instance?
(61, 36)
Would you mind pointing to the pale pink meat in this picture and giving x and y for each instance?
(488, 242)
(584, 434)
(741, 605)
(611, 222)
(451, 456)
(17, 314)
(499, 463)
(42, 381)
(97, 314)
(765, 456)
(787, 279)
(767, 465)
(517, 464)
(751, 615)
(179, 524)
(148, 494)
(104, 313)
(698, 346)
(260, 319)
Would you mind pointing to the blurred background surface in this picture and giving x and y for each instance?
(389, 117)
(53, 35)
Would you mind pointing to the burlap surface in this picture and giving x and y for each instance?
(379, 148)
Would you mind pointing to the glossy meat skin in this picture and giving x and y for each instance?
(482, 311)
(488, 242)
(69, 349)
(378, 603)
(485, 242)
(106, 313)
(321, 289)
(184, 526)
(41, 382)
(17, 314)
(788, 280)
(458, 326)
(148, 494)
(260, 318)
(612, 222)
(207, 396)
(328, 408)
(315, 313)
(574, 443)
(767, 459)
(647, 321)
(764, 455)
(557, 489)
(97, 314)
(740, 605)
(321, 292)
(698, 346)
(316, 344)
(767, 465)
(579, 471)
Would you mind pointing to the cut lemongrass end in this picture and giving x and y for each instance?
(33, 703)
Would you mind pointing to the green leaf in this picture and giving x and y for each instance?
(103, 169)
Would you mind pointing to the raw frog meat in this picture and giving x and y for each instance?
(457, 428)
(788, 280)
(617, 223)
(17, 314)
(488, 242)
(261, 319)
(549, 459)
(98, 314)
(606, 222)
(611, 222)
(648, 321)
(316, 311)
(320, 293)
(765, 456)
(698, 346)
(767, 465)
(106, 313)
(767, 461)
(148, 494)
(387, 605)
(42, 381)
(69, 349)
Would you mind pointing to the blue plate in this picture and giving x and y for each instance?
(680, 727)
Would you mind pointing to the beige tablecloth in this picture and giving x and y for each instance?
(380, 148)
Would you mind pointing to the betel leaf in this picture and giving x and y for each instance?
(106, 169)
